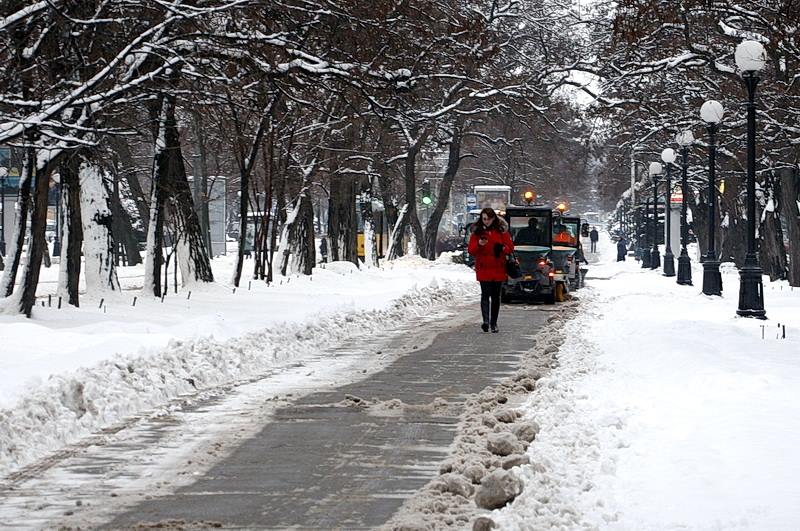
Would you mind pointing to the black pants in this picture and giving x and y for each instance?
(490, 301)
(594, 246)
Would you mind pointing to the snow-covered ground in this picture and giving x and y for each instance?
(68, 372)
(666, 410)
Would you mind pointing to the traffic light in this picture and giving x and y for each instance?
(427, 198)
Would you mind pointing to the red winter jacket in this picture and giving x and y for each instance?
(489, 267)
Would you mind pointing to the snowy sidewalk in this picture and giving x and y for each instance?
(667, 411)
(67, 373)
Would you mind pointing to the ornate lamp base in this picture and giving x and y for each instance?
(712, 279)
(669, 264)
(655, 259)
(684, 269)
(751, 293)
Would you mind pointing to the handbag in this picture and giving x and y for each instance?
(512, 266)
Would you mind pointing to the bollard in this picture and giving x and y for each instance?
(134, 302)
(59, 303)
(249, 285)
(49, 301)
(189, 296)
(101, 303)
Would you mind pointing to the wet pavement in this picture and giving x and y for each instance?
(343, 457)
(326, 462)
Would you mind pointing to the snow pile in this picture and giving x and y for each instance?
(132, 322)
(575, 444)
(488, 454)
(73, 403)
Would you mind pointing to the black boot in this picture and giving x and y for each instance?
(485, 313)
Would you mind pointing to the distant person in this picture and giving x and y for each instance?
(489, 243)
(622, 249)
(323, 249)
(593, 237)
(531, 234)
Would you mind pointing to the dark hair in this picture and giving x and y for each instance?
(479, 228)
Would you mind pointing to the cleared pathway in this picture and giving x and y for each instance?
(326, 462)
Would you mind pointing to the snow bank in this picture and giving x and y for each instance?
(69, 406)
(666, 411)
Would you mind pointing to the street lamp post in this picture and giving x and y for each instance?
(56, 237)
(668, 156)
(751, 58)
(641, 238)
(655, 257)
(3, 215)
(684, 140)
(712, 112)
(624, 218)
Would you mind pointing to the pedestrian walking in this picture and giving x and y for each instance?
(323, 249)
(593, 237)
(489, 243)
(622, 249)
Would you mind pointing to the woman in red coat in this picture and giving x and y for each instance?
(489, 244)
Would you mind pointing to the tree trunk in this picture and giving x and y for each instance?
(98, 239)
(72, 227)
(155, 226)
(370, 242)
(297, 250)
(304, 252)
(410, 174)
(123, 229)
(390, 210)
(733, 238)
(17, 240)
(443, 198)
(244, 199)
(268, 153)
(200, 172)
(342, 227)
(289, 234)
(700, 224)
(789, 193)
(248, 155)
(733, 224)
(280, 213)
(396, 237)
(37, 240)
(128, 166)
(191, 251)
(772, 253)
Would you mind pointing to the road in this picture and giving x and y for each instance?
(308, 455)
